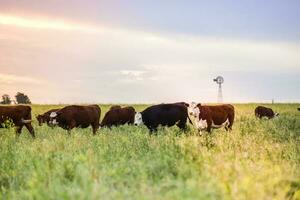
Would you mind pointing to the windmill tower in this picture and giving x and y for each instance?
(219, 80)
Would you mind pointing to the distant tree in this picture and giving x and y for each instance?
(21, 98)
(5, 99)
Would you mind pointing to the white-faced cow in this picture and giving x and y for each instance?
(73, 116)
(261, 111)
(164, 115)
(45, 118)
(209, 117)
(20, 116)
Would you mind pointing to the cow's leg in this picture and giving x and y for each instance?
(95, 127)
(152, 129)
(209, 126)
(149, 128)
(30, 129)
(72, 125)
(182, 124)
(208, 129)
(226, 127)
(230, 119)
(19, 130)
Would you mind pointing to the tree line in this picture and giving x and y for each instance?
(20, 98)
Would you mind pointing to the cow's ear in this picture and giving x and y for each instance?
(199, 105)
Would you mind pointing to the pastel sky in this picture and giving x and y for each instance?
(138, 51)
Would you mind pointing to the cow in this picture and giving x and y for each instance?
(115, 107)
(45, 118)
(118, 116)
(20, 116)
(298, 109)
(209, 117)
(183, 103)
(261, 111)
(164, 115)
(73, 116)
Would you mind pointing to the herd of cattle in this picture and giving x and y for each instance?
(203, 117)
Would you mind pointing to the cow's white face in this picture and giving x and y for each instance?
(193, 110)
(53, 116)
(138, 120)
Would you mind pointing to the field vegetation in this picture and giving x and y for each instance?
(258, 159)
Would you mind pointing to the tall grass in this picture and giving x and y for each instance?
(259, 159)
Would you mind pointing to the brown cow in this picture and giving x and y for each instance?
(45, 118)
(73, 116)
(261, 111)
(118, 116)
(115, 107)
(208, 117)
(20, 116)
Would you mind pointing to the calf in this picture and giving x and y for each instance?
(118, 116)
(20, 116)
(208, 117)
(261, 111)
(73, 116)
(164, 115)
(45, 118)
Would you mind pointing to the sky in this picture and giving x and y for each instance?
(138, 51)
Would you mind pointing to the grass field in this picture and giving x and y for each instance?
(259, 159)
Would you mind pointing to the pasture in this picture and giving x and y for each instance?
(258, 159)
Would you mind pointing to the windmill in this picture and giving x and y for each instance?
(219, 80)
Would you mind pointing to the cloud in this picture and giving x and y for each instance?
(133, 75)
(115, 64)
(26, 22)
(14, 79)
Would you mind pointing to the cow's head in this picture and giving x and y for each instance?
(194, 109)
(138, 119)
(40, 119)
(276, 114)
(53, 118)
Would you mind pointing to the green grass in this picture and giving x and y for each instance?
(259, 159)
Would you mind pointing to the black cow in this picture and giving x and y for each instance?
(261, 111)
(164, 115)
